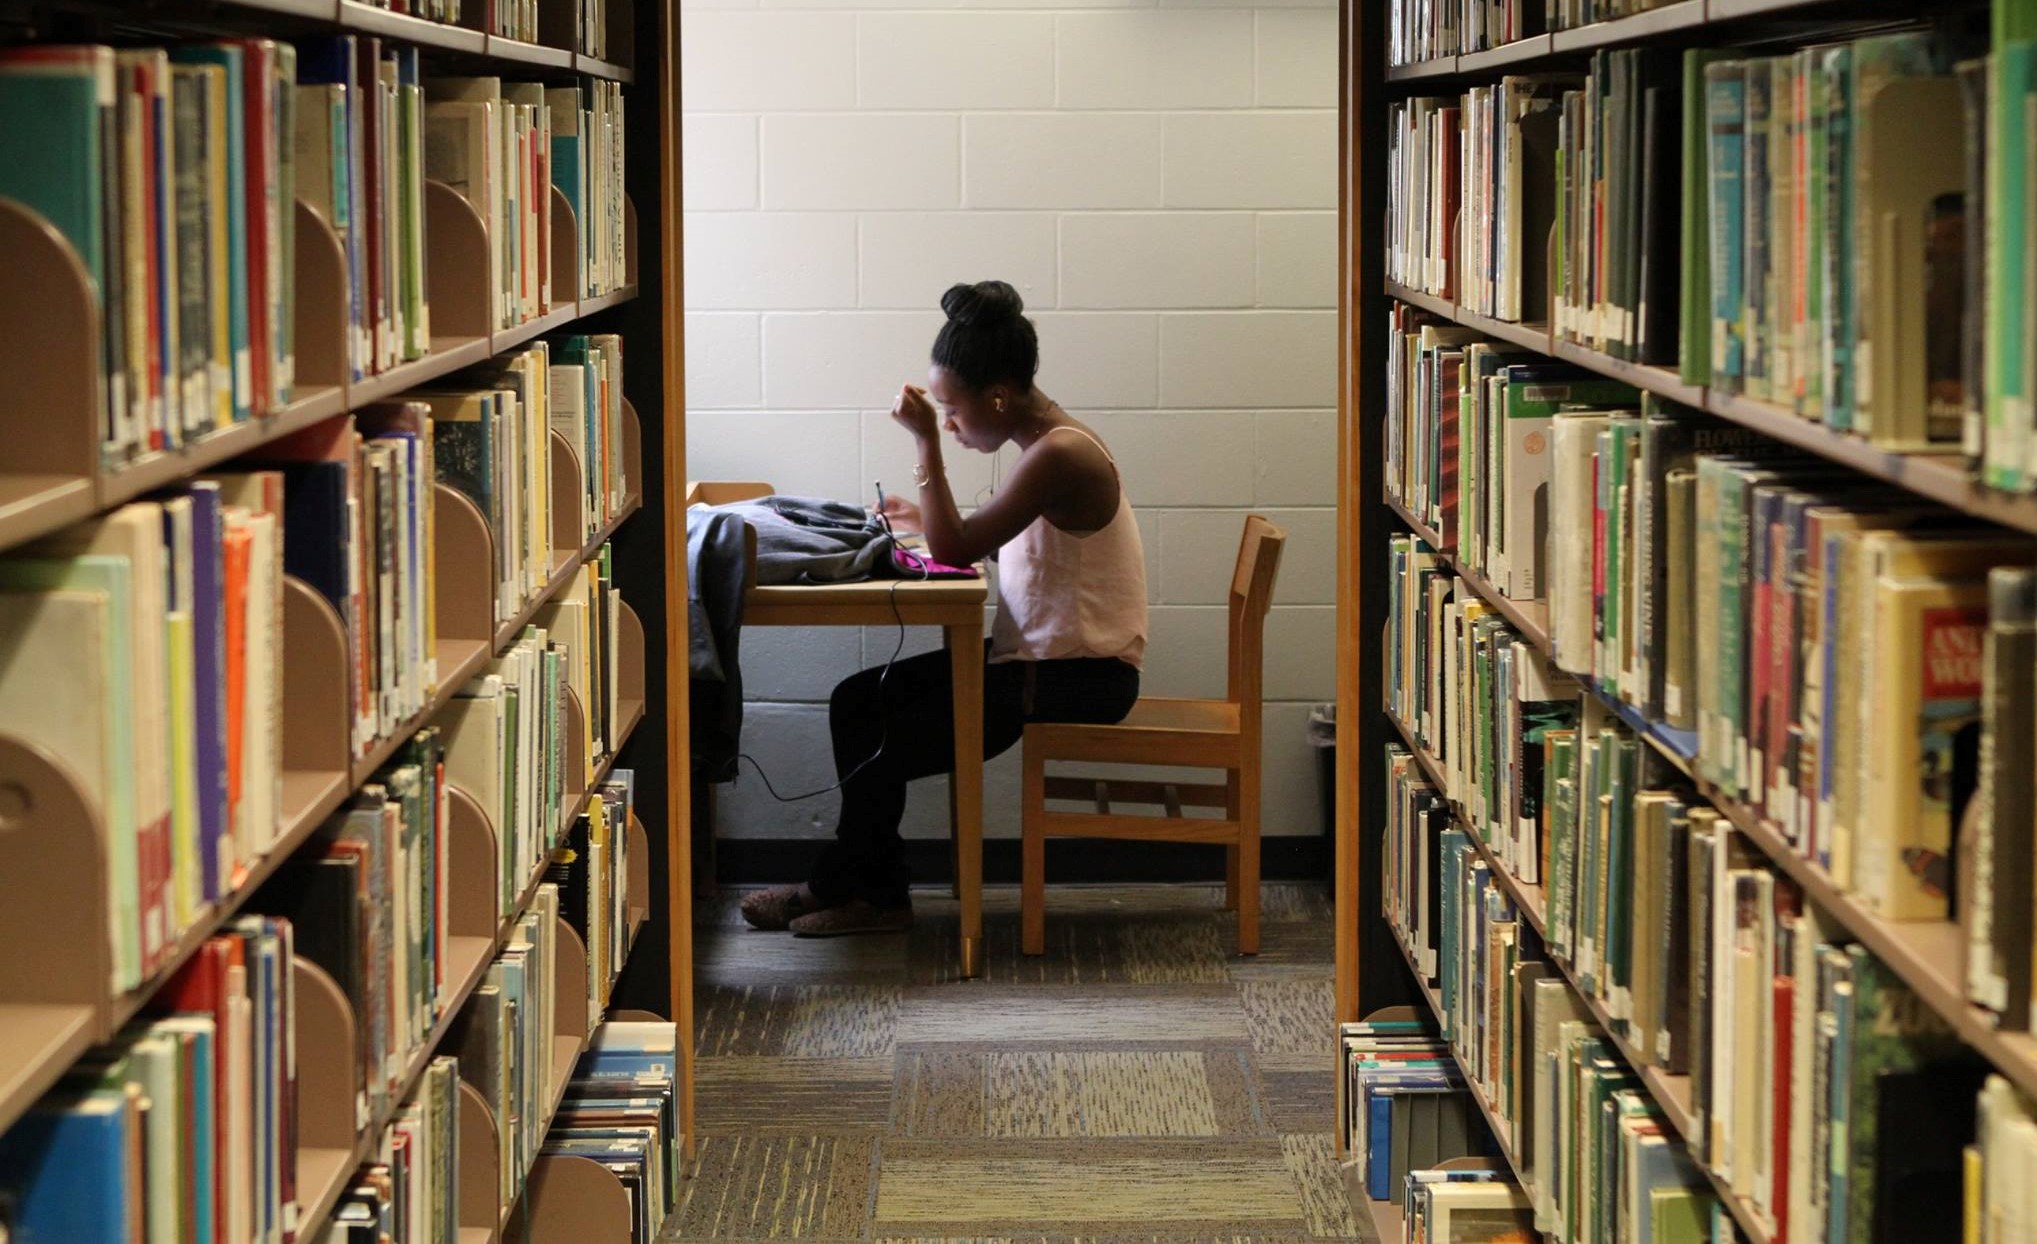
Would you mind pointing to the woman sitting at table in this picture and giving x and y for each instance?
(1070, 629)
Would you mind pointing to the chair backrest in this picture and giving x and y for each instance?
(724, 492)
(728, 492)
(1251, 597)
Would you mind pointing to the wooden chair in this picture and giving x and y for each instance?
(1202, 734)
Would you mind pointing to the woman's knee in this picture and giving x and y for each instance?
(856, 695)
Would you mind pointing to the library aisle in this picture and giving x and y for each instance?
(1138, 1082)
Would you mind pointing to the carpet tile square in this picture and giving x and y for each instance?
(1007, 1014)
(1093, 1186)
(808, 1095)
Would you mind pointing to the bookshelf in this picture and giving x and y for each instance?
(1928, 956)
(1937, 477)
(58, 1004)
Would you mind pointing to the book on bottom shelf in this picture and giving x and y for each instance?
(185, 1126)
(621, 1112)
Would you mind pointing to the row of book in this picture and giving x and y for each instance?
(1833, 291)
(1406, 1107)
(588, 167)
(1722, 214)
(584, 403)
(1879, 304)
(185, 1127)
(503, 146)
(507, 1035)
(492, 427)
(1804, 582)
(595, 39)
(491, 430)
(1703, 959)
(445, 11)
(591, 869)
(362, 155)
(144, 653)
(355, 494)
(1596, 1155)
(1800, 576)
(1548, 199)
(150, 640)
(172, 172)
(505, 747)
(515, 19)
(621, 1111)
(1614, 281)
(175, 173)
(1480, 698)
(1419, 30)
(367, 533)
(409, 1192)
(368, 896)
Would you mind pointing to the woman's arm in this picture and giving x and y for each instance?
(960, 541)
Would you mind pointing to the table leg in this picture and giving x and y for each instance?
(965, 657)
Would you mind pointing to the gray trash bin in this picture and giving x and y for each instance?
(1322, 735)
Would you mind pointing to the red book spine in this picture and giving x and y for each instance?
(1451, 201)
(541, 185)
(1598, 556)
(200, 988)
(1756, 721)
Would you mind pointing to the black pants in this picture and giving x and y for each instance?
(912, 716)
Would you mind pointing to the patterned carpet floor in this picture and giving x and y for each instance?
(1139, 1082)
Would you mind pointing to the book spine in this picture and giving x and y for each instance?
(1725, 110)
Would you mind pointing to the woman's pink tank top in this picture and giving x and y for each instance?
(1062, 595)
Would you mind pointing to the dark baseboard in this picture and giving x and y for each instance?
(763, 861)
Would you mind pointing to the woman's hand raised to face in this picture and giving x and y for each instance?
(915, 413)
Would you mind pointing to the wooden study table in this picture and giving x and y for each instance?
(954, 605)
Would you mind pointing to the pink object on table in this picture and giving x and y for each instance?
(917, 566)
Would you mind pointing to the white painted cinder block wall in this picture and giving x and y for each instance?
(1159, 183)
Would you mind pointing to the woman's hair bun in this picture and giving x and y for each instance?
(982, 304)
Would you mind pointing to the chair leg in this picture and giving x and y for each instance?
(1231, 809)
(1033, 856)
(1248, 867)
